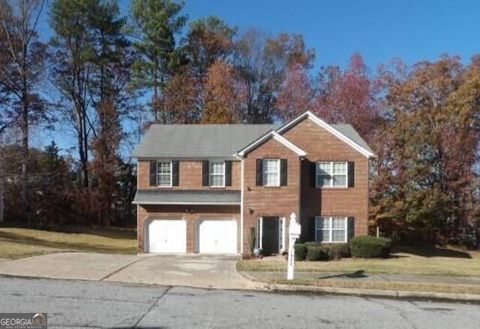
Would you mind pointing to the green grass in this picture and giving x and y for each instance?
(443, 262)
(387, 285)
(18, 242)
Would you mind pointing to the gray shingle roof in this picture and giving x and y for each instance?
(211, 141)
(351, 133)
(219, 197)
(198, 141)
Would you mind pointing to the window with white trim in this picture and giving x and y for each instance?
(164, 173)
(331, 229)
(217, 173)
(271, 172)
(332, 174)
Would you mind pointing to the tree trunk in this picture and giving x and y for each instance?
(83, 148)
(2, 185)
(85, 173)
(155, 93)
(25, 153)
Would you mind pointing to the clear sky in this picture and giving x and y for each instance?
(379, 29)
(413, 30)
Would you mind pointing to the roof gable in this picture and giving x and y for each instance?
(344, 132)
(276, 137)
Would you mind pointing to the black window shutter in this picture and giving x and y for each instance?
(228, 173)
(175, 173)
(313, 174)
(351, 174)
(259, 172)
(351, 228)
(205, 173)
(283, 172)
(153, 173)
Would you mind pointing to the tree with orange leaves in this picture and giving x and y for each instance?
(223, 94)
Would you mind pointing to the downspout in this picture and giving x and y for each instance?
(241, 199)
(138, 213)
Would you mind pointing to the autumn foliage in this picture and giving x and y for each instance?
(350, 96)
(296, 93)
(224, 94)
(427, 181)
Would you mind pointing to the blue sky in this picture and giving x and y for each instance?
(379, 30)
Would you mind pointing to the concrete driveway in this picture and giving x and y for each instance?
(216, 272)
(191, 271)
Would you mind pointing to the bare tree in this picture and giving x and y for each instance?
(71, 54)
(26, 55)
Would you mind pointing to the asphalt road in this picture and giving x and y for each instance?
(86, 304)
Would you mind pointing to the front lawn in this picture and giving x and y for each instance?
(23, 242)
(450, 288)
(444, 262)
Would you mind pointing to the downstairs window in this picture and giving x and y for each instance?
(331, 229)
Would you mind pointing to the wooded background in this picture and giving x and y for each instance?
(105, 78)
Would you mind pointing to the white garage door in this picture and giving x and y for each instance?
(167, 236)
(218, 237)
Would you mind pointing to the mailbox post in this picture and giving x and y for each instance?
(293, 234)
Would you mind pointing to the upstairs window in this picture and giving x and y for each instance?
(217, 173)
(332, 174)
(271, 172)
(164, 173)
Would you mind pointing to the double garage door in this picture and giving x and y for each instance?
(213, 236)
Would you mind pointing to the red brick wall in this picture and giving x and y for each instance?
(353, 202)
(192, 214)
(262, 201)
(190, 176)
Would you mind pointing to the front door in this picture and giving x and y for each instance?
(270, 238)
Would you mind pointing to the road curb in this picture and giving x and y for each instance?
(392, 294)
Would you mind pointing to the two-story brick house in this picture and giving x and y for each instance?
(225, 188)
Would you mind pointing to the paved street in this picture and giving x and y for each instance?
(89, 304)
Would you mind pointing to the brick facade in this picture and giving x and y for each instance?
(261, 201)
(190, 176)
(297, 196)
(321, 145)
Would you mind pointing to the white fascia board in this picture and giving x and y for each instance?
(289, 144)
(330, 129)
(247, 148)
(277, 137)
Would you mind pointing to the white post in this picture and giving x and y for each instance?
(291, 259)
(293, 233)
